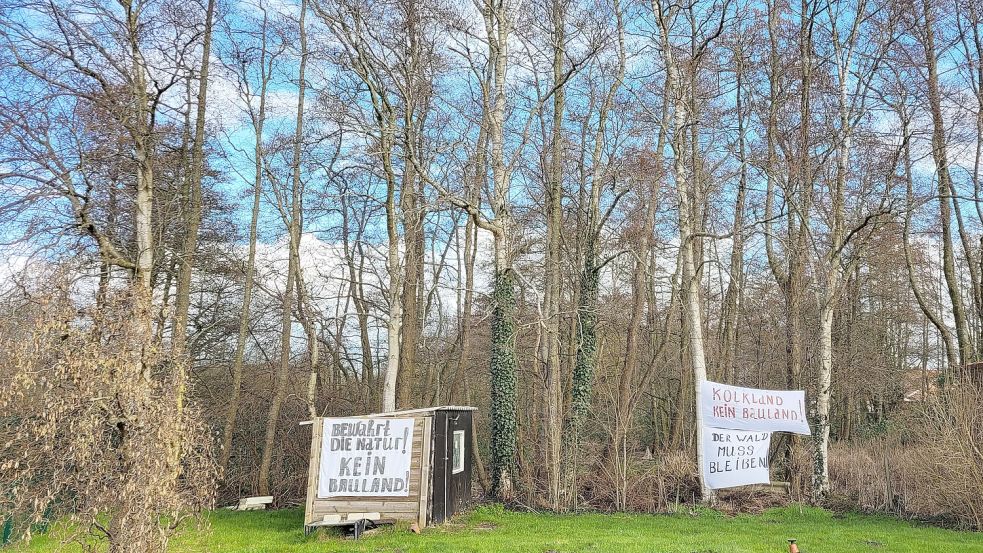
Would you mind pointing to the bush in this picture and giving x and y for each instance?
(933, 470)
(90, 428)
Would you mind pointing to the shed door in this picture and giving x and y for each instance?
(452, 464)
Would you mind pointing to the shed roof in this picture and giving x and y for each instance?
(421, 410)
(425, 410)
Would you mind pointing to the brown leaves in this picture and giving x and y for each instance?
(86, 434)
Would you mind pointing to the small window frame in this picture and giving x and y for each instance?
(457, 445)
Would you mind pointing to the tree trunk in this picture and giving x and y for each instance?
(411, 330)
(393, 327)
(941, 158)
(305, 312)
(688, 239)
(192, 222)
(247, 293)
(820, 476)
(930, 314)
(554, 231)
(283, 370)
(735, 282)
(394, 295)
(415, 99)
(504, 444)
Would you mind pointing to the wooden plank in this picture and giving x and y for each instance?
(393, 513)
(423, 411)
(410, 517)
(362, 505)
(365, 500)
(369, 516)
(349, 498)
(254, 507)
(425, 455)
(369, 506)
(351, 522)
(314, 469)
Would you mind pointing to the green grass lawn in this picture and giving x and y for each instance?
(491, 529)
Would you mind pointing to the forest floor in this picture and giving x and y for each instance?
(492, 529)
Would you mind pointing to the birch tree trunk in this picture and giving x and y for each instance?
(504, 447)
(395, 320)
(135, 427)
(832, 265)
(681, 75)
(143, 152)
(688, 237)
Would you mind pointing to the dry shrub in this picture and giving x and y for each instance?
(858, 476)
(949, 456)
(89, 424)
(669, 483)
(655, 485)
(751, 499)
(933, 471)
(676, 480)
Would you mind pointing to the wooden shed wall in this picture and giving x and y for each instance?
(413, 507)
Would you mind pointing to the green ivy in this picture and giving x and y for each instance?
(503, 381)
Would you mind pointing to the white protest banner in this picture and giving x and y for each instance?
(735, 408)
(365, 457)
(734, 457)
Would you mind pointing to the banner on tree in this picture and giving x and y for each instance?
(736, 408)
(365, 458)
(734, 457)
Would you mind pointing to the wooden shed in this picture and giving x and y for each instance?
(412, 465)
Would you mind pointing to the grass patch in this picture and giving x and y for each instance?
(493, 529)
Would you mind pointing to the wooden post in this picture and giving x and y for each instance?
(317, 430)
(425, 457)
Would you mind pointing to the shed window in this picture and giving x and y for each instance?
(458, 453)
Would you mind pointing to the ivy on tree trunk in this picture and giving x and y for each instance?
(503, 384)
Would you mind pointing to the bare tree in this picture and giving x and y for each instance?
(940, 154)
(78, 58)
(242, 65)
(293, 220)
(855, 65)
(679, 89)
(589, 244)
(193, 215)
